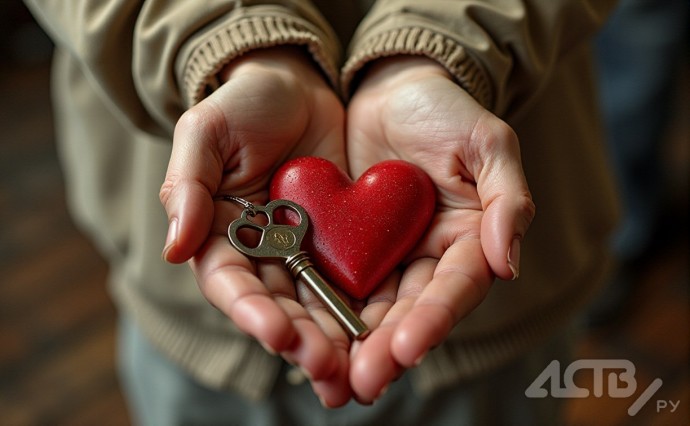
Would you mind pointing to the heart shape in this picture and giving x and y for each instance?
(359, 231)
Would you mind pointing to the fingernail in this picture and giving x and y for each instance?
(171, 238)
(514, 258)
(382, 393)
(296, 376)
(419, 359)
(306, 374)
(323, 402)
(354, 349)
(268, 349)
(363, 402)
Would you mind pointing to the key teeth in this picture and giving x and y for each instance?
(298, 262)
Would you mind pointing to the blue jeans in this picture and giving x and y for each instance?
(160, 393)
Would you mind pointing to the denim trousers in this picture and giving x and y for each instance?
(159, 393)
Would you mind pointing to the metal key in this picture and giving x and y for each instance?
(283, 242)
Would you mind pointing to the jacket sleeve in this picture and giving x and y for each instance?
(500, 51)
(153, 59)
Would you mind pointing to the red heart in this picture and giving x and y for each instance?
(359, 231)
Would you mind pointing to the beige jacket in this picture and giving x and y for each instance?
(125, 70)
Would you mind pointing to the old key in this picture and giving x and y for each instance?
(280, 241)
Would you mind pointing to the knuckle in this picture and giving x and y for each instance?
(165, 191)
(498, 135)
(194, 119)
(527, 208)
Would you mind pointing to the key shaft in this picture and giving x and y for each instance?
(301, 268)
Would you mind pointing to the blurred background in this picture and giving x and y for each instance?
(57, 361)
(57, 322)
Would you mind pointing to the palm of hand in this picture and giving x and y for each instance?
(433, 123)
(233, 140)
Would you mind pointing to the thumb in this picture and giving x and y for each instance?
(508, 209)
(194, 173)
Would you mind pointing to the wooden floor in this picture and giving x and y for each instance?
(57, 363)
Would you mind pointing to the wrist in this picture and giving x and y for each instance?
(284, 59)
(392, 71)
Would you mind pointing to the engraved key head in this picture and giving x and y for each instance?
(277, 240)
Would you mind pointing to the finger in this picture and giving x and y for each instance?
(322, 317)
(380, 301)
(227, 279)
(311, 350)
(194, 172)
(322, 350)
(262, 304)
(334, 391)
(373, 366)
(460, 282)
(506, 202)
(319, 336)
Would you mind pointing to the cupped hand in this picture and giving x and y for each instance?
(409, 108)
(272, 106)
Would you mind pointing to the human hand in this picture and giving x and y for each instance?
(273, 106)
(409, 108)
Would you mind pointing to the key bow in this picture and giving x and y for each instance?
(277, 240)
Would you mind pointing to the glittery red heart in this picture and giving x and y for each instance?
(359, 231)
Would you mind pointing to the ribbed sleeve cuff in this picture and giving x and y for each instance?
(419, 41)
(248, 33)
